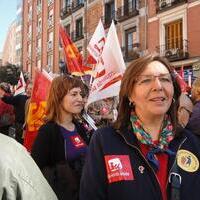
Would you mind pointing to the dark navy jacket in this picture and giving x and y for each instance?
(194, 121)
(107, 145)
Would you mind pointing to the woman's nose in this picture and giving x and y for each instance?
(80, 98)
(157, 84)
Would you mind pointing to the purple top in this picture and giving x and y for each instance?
(75, 146)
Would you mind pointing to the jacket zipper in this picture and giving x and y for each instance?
(174, 162)
(144, 160)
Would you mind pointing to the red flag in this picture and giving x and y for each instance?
(73, 58)
(36, 111)
(181, 72)
(183, 85)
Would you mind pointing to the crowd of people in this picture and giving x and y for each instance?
(147, 144)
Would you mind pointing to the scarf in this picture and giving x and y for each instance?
(166, 135)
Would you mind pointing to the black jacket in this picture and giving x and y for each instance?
(107, 145)
(48, 148)
(194, 121)
(18, 102)
(49, 154)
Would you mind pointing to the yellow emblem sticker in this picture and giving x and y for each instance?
(187, 161)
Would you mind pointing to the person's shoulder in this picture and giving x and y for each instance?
(48, 125)
(192, 138)
(104, 132)
(11, 150)
(7, 143)
(197, 107)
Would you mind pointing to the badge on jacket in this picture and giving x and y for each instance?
(118, 168)
(77, 141)
(187, 161)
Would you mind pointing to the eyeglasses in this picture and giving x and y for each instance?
(149, 79)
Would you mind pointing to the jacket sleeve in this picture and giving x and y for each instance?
(93, 181)
(12, 100)
(194, 121)
(41, 149)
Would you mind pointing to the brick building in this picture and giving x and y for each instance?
(173, 32)
(80, 19)
(167, 27)
(40, 39)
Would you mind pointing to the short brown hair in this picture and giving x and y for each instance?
(60, 86)
(128, 82)
(196, 90)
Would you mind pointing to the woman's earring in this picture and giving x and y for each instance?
(131, 104)
(173, 100)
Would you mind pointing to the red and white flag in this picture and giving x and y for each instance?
(21, 85)
(183, 85)
(109, 70)
(96, 44)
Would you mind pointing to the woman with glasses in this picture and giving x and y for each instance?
(61, 144)
(141, 156)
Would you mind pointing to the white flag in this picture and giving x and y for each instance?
(109, 71)
(97, 42)
(21, 85)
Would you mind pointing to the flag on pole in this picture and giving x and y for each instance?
(109, 70)
(96, 44)
(73, 57)
(181, 72)
(21, 85)
(37, 106)
(183, 85)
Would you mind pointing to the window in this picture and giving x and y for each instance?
(39, 2)
(109, 12)
(29, 50)
(50, 62)
(50, 41)
(66, 3)
(129, 6)
(67, 29)
(80, 2)
(50, 18)
(174, 35)
(130, 41)
(39, 64)
(79, 27)
(39, 25)
(39, 42)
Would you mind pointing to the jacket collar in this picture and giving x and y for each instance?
(128, 136)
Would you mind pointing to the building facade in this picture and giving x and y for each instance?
(18, 34)
(80, 18)
(8, 53)
(167, 27)
(173, 33)
(40, 35)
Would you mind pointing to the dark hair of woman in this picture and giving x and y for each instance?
(61, 85)
(129, 78)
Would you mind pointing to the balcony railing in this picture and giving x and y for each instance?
(75, 36)
(174, 53)
(74, 6)
(77, 4)
(131, 52)
(163, 5)
(66, 11)
(127, 11)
